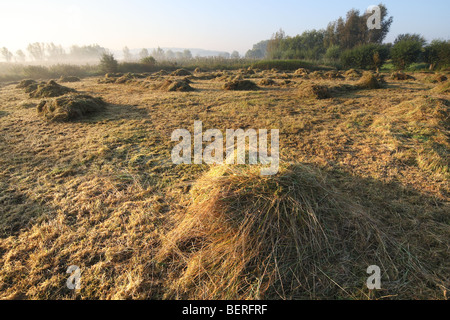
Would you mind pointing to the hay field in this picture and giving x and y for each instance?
(364, 180)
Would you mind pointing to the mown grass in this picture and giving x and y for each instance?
(102, 193)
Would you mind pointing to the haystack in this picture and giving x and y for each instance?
(240, 85)
(401, 76)
(69, 79)
(181, 73)
(49, 90)
(26, 83)
(314, 91)
(69, 107)
(289, 236)
(267, 82)
(174, 85)
(369, 81)
(352, 74)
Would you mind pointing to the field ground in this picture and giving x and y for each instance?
(102, 192)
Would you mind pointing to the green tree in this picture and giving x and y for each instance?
(406, 52)
(149, 61)
(108, 64)
(437, 54)
(368, 56)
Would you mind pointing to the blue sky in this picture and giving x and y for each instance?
(225, 25)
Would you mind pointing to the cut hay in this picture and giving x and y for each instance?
(267, 82)
(443, 88)
(301, 72)
(174, 86)
(369, 81)
(49, 90)
(181, 73)
(25, 84)
(64, 79)
(401, 76)
(240, 85)
(290, 236)
(352, 74)
(69, 107)
(314, 91)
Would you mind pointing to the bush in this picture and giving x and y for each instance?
(369, 56)
(108, 64)
(437, 54)
(290, 65)
(149, 61)
(406, 52)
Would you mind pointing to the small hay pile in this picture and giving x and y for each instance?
(267, 82)
(25, 84)
(401, 76)
(290, 236)
(314, 91)
(69, 107)
(240, 85)
(369, 81)
(64, 79)
(333, 75)
(352, 74)
(174, 86)
(181, 73)
(49, 90)
(301, 72)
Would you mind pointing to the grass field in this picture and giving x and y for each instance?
(102, 193)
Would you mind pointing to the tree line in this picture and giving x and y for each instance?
(349, 42)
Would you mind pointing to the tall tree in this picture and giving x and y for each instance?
(37, 51)
(127, 56)
(6, 54)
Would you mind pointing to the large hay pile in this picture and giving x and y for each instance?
(289, 236)
(69, 107)
(352, 74)
(49, 90)
(240, 85)
(26, 83)
(314, 91)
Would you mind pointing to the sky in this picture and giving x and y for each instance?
(225, 25)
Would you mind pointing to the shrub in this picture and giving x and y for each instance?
(370, 56)
(437, 54)
(406, 52)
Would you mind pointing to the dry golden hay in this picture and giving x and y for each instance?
(443, 88)
(69, 107)
(333, 75)
(198, 70)
(69, 79)
(181, 73)
(289, 236)
(49, 90)
(352, 74)
(301, 72)
(401, 76)
(161, 73)
(26, 83)
(127, 78)
(369, 81)
(267, 82)
(174, 85)
(307, 90)
(240, 85)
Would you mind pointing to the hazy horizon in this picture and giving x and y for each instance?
(215, 26)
